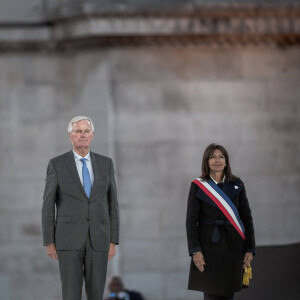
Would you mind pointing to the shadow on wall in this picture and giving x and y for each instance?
(276, 274)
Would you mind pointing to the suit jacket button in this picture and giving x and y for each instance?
(87, 219)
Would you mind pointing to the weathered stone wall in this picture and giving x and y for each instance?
(155, 110)
(39, 94)
(169, 105)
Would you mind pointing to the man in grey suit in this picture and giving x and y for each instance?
(85, 229)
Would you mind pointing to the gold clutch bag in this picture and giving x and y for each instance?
(247, 276)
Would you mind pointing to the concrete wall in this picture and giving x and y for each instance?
(155, 110)
(39, 94)
(25, 11)
(169, 105)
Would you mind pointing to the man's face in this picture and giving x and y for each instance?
(115, 286)
(82, 135)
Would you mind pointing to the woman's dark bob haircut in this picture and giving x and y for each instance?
(209, 151)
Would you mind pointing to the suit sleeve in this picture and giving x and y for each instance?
(48, 209)
(192, 218)
(246, 217)
(113, 206)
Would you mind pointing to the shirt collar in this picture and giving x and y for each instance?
(223, 179)
(78, 157)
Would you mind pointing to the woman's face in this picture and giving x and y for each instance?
(216, 161)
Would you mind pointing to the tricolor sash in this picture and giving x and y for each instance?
(223, 202)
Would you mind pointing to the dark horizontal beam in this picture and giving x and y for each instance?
(211, 41)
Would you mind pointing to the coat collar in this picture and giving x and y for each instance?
(231, 188)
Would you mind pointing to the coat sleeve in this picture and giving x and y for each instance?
(48, 208)
(192, 218)
(113, 206)
(246, 217)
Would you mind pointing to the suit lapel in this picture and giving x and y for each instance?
(70, 162)
(96, 170)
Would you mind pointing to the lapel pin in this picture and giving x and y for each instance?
(236, 187)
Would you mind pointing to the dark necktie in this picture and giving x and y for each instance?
(87, 183)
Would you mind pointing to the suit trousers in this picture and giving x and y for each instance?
(87, 264)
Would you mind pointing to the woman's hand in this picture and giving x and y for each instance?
(199, 261)
(247, 259)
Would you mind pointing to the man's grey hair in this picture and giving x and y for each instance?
(77, 119)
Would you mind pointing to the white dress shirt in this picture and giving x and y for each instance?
(222, 181)
(79, 165)
(123, 295)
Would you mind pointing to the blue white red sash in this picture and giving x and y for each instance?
(223, 202)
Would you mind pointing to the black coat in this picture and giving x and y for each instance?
(224, 260)
(134, 295)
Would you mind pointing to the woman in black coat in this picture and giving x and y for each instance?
(219, 246)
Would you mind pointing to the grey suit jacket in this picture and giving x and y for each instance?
(75, 212)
